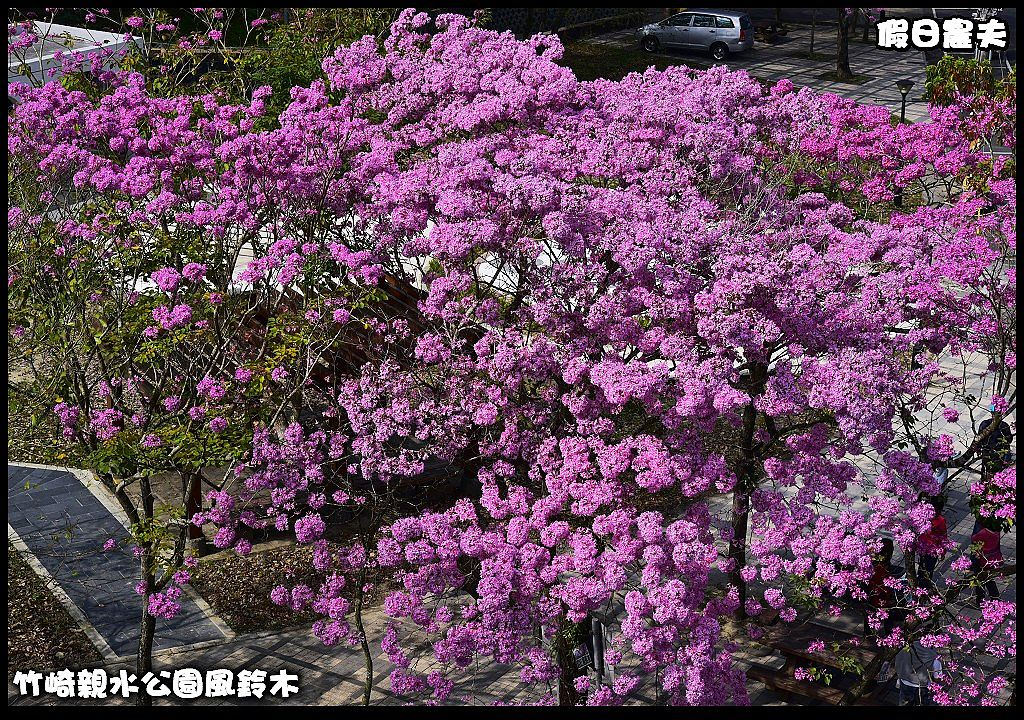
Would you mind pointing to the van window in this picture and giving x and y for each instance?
(745, 22)
(680, 20)
(703, 21)
(724, 22)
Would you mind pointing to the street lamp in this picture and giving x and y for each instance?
(904, 87)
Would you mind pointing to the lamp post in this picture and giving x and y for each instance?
(904, 87)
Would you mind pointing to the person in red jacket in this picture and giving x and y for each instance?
(881, 595)
(986, 555)
(932, 544)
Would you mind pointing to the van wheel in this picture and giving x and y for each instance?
(651, 43)
(719, 51)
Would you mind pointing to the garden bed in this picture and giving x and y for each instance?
(41, 634)
(238, 587)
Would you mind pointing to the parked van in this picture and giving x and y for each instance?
(719, 32)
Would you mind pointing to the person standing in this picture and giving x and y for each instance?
(996, 447)
(880, 595)
(986, 556)
(932, 544)
(916, 667)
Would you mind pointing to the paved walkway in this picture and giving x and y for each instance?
(52, 514)
(335, 675)
(782, 60)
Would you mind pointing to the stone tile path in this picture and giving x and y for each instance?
(775, 62)
(64, 525)
(335, 675)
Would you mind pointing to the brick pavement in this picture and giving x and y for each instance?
(52, 514)
(777, 61)
(335, 675)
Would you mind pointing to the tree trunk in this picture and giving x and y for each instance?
(566, 659)
(144, 660)
(193, 492)
(367, 656)
(843, 71)
(738, 545)
(746, 481)
(814, 25)
(867, 27)
(147, 629)
(147, 625)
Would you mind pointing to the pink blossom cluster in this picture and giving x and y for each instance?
(629, 297)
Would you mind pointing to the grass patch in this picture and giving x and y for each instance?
(855, 80)
(41, 635)
(592, 60)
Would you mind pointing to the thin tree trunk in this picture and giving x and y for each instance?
(147, 625)
(192, 489)
(367, 656)
(814, 25)
(741, 507)
(843, 71)
(738, 545)
(144, 660)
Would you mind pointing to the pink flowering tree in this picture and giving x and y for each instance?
(679, 329)
(645, 310)
(168, 288)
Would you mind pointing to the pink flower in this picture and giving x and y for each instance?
(194, 271)
(167, 279)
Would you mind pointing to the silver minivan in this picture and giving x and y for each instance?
(718, 31)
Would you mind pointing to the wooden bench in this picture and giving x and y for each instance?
(794, 649)
(786, 685)
(792, 643)
(783, 683)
